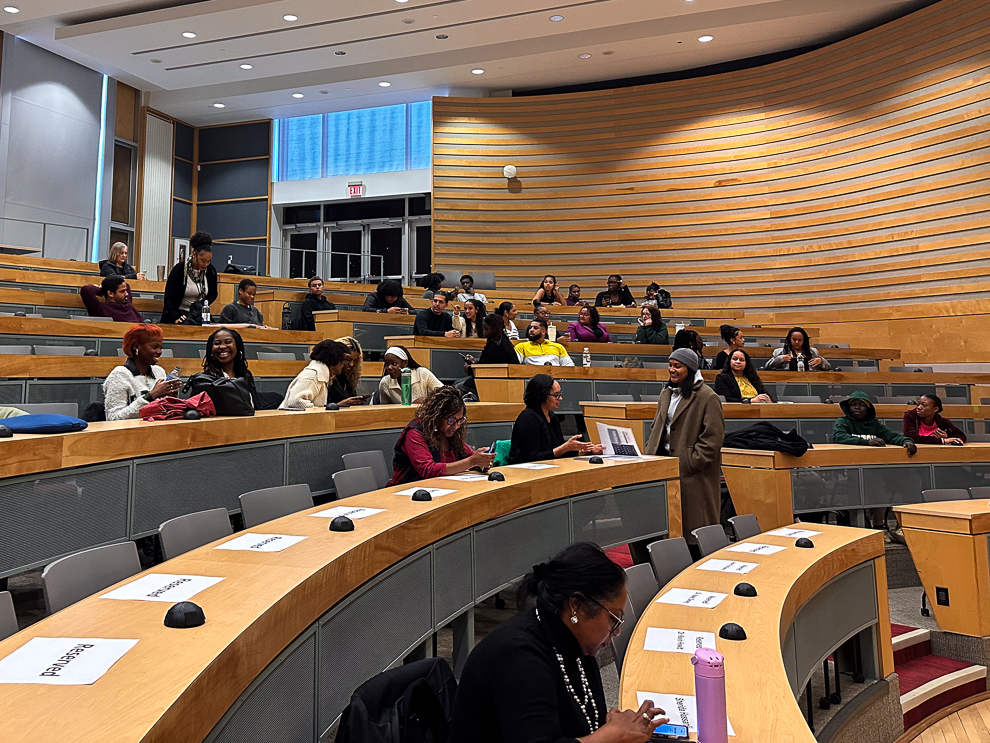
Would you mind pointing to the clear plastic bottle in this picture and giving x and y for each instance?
(586, 357)
(406, 384)
(206, 313)
(800, 362)
(552, 333)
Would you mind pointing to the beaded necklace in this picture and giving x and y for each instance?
(585, 687)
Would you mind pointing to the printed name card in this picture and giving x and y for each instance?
(677, 640)
(691, 597)
(533, 466)
(260, 543)
(62, 661)
(794, 533)
(754, 548)
(465, 478)
(681, 709)
(728, 566)
(434, 492)
(351, 513)
(162, 587)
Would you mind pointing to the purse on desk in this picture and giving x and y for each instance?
(230, 396)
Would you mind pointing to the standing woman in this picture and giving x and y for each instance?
(433, 444)
(310, 387)
(797, 352)
(652, 329)
(734, 339)
(925, 424)
(191, 283)
(507, 311)
(689, 425)
(139, 380)
(549, 293)
(588, 327)
(344, 387)
(390, 386)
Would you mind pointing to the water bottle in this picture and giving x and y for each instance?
(174, 374)
(552, 333)
(286, 316)
(586, 357)
(206, 312)
(709, 691)
(406, 383)
(800, 362)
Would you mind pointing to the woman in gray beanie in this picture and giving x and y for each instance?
(689, 425)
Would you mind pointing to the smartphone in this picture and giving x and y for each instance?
(464, 355)
(671, 732)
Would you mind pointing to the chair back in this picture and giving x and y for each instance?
(16, 350)
(8, 619)
(54, 408)
(980, 493)
(669, 557)
(800, 398)
(60, 350)
(273, 356)
(621, 641)
(641, 586)
(375, 459)
(74, 577)
(938, 495)
(354, 482)
(90, 318)
(616, 398)
(649, 398)
(745, 526)
(266, 504)
(193, 530)
(897, 400)
(710, 538)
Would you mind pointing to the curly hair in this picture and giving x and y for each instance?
(440, 404)
(212, 367)
(138, 334)
(352, 346)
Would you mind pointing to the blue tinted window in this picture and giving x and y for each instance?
(420, 134)
(301, 148)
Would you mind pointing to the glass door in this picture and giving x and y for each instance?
(346, 248)
(303, 252)
(384, 255)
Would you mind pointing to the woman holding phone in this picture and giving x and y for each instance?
(344, 387)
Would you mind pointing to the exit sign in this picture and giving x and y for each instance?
(355, 189)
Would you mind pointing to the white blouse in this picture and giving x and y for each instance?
(123, 388)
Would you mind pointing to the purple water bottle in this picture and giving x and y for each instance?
(709, 690)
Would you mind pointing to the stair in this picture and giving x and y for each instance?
(930, 682)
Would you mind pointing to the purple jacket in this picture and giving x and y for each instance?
(119, 312)
(579, 332)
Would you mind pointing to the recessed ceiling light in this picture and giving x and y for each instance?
(384, 84)
(556, 18)
(11, 9)
(584, 56)
(339, 53)
(156, 61)
(247, 66)
(402, 1)
(442, 36)
(478, 71)
(705, 39)
(189, 34)
(289, 17)
(297, 95)
(219, 105)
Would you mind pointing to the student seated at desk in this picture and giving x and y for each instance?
(538, 351)
(311, 386)
(344, 387)
(139, 380)
(498, 348)
(390, 387)
(541, 312)
(431, 284)
(797, 354)
(925, 424)
(243, 311)
(116, 302)
(574, 296)
(116, 264)
(536, 677)
(469, 324)
(687, 338)
(733, 338)
(507, 311)
(467, 290)
(738, 380)
(536, 433)
(314, 302)
(387, 298)
(433, 444)
(434, 321)
(191, 283)
(225, 358)
(651, 327)
(616, 295)
(548, 293)
(588, 327)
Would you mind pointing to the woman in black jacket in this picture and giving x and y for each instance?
(536, 434)
(498, 350)
(387, 298)
(191, 283)
(738, 380)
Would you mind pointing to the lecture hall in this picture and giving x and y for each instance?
(533, 371)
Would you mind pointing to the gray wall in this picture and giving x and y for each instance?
(49, 146)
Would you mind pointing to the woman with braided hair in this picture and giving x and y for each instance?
(344, 387)
(433, 444)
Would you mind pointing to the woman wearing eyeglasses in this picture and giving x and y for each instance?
(433, 445)
(536, 434)
(535, 677)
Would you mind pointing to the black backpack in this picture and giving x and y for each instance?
(663, 299)
(767, 437)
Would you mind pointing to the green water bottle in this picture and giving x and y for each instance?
(406, 383)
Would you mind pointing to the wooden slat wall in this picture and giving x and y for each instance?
(856, 175)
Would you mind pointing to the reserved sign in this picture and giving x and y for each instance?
(62, 661)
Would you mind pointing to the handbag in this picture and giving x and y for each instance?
(194, 315)
(174, 408)
(230, 396)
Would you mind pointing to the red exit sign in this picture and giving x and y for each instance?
(355, 189)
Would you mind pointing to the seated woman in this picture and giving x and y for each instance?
(536, 433)
(690, 339)
(925, 424)
(314, 302)
(243, 311)
(344, 388)
(191, 283)
(116, 264)
(116, 302)
(652, 292)
(432, 445)
(738, 380)
(498, 350)
(387, 298)
(390, 386)
(507, 311)
(535, 677)
(652, 329)
(616, 295)
(225, 357)
(797, 354)
(549, 293)
(312, 385)
(588, 327)
(131, 386)
(469, 323)
(733, 338)
(431, 284)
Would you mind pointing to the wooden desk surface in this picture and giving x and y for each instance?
(175, 685)
(110, 441)
(841, 455)
(956, 517)
(89, 367)
(89, 329)
(760, 703)
(66, 299)
(646, 411)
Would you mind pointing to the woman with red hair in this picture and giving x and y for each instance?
(131, 386)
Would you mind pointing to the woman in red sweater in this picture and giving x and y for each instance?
(925, 425)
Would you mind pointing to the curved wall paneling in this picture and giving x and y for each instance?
(856, 174)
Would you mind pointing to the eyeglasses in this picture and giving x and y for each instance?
(616, 621)
(456, 421)
(558, 395)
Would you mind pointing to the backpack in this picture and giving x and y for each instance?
(663, 299)
(768, 437)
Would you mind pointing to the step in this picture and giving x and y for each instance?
(909, 643)
(931, 682)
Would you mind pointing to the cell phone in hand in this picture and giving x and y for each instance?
(671, 732)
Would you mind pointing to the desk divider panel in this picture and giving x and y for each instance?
(890, 486)
(453, 586)
(79, 391)
(574, 391)
(619, 516)
(11, 392)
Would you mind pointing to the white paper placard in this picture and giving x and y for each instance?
(755, 548)
(677, 640)
(532, 466)
(728, 566)
(680, 708)
(351, 513)
(62, 661)
(162, 587)
(794, 533)
(434, 492)
(618, 441)
(260, 543)
(464, 478)
(691, 597)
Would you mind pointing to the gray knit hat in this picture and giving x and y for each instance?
(687, 357)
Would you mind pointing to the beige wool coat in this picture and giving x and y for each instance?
(696, 433)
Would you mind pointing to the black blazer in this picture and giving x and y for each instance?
(175, 290)
(112, 269)
(501, 351)
(534, 437)
(311, 304)
(625, 297)
(725, 385)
